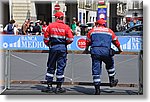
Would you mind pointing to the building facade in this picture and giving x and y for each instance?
(134, 10)
(84, 10)
(124, 11)
(87, 11)
(20, 10)
(4, 11)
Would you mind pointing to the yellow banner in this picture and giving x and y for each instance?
(103, 6)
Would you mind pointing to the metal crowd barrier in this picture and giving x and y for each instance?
(73, 69)
(5, 79)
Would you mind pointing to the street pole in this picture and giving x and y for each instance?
(10, 9)
(108, 13)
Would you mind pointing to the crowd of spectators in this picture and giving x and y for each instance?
(38, 27)
(28, 27)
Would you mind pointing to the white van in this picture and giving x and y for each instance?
(90, 25)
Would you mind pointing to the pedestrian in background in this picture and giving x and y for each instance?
(44, 27)
(31, 28)
(37, 28)
(25, 27)
(10, 27)
(100, 39)
(57, 36)
(73, 26)
(78, 29)
(16, 29)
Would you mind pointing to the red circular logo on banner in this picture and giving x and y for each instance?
(57, 7)
(82, 43)
(102, 16)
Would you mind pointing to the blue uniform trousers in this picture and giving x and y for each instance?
(97, 67)
(56, 61)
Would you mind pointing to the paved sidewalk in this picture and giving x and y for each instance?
(35, 89)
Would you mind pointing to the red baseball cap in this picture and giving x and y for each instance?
(58, 14)
(101, 21)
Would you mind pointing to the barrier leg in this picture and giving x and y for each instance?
(7, 69)
(72, 70)
(140, 73)
(3, 86)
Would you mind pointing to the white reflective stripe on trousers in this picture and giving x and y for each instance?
(60, 76)
(97, 80)
(112, 74)
(50, 75)
(111, 70)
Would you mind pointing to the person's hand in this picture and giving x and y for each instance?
(120, 51)
(86, 52)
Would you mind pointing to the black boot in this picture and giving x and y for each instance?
(97, 89)
(49, 88)
(113, 82)
(59, 89)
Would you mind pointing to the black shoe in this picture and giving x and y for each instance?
(113, 82)
(97, 92)
(60, 90)
(97, 89)
(48, 90)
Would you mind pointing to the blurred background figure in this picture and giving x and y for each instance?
(10, 27)
(73, 26)
(78, 29)
(25, 27)
(1, 28)
(37, 28)
(16, 29)
(44, 27)
(31, 28)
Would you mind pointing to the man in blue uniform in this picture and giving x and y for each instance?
(100, 39)
(57, 36)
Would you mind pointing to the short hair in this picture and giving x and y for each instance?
(12, 21)
(60, 18)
